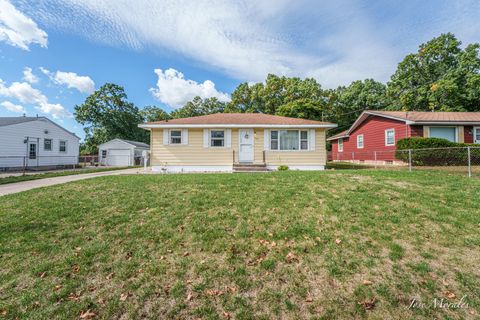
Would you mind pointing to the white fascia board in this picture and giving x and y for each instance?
(447, 123)
(336, 138)
(279, 126)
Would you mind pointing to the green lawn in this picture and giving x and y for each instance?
(30, 176)
(318, 245)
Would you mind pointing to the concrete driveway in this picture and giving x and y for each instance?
(32, 184)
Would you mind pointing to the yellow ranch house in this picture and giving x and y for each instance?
(226, 142)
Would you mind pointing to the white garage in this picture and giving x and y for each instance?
(122, 153)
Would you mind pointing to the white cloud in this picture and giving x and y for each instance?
(25, 93)
(12, 107)
(17, 29)
(174, 90)
(83, 84)
(29, 76)
(334, 41)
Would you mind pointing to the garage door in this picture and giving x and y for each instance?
(118, 157)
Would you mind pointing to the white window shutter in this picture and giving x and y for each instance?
(228, 138)
(266, 139)
(184, 136)
(311, 139)
(165, 136)
(205, 138)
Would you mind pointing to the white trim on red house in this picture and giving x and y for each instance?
(386, 138)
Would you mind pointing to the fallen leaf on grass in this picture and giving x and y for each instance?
(57, 287)
(129, 256)
(214, 292)
(73, 297)
(110, 275)
(367, 282)
(368, 304)
(76, 268)
(101, 301)
(189, 297)
(226, 315)
(309, 299)
(449, 294)
(291, 257)
(88, 315)
(43, 274)
(124, 296)
(186, 254)
(338, 241)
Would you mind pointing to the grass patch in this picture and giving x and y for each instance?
(351, 244)
(36, 176)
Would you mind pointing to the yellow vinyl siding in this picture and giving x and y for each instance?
(194, 154)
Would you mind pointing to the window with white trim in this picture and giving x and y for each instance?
(217, 138)
(47, 144)
(360, 141)
(340, 145)
(390, 137)
(303, 140)
(104, 154)
(288, 140)
(175, 137)
(62, 147)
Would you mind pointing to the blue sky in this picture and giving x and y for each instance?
(53, 53)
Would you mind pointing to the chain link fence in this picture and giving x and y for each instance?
(462, 160)
(45, 163)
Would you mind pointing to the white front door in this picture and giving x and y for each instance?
(245, 148)
(32, 154)
(476, 135)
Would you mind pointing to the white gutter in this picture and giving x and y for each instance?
(279, 126)
(451, 123)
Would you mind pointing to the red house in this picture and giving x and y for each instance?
(373, 136)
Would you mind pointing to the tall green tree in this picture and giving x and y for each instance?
(281, 96)
(345, 104)
(441, 76)
(107, 114)
(154, 113)
(199, 107)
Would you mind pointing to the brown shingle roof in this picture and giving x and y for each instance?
(239, 119)
(417, 116)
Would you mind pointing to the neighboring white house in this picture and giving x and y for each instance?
(120, 152)
(36, 142)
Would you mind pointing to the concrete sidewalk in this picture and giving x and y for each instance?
(32, 184)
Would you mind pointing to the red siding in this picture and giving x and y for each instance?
(468, 134)
(373, 130)
(416, 131)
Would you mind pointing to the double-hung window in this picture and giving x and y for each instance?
(175, 137)
(217, 138)
(390, 137)
(62, 146)
(340, 145)
(360, 141)
(47, 144)
(288, 140)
